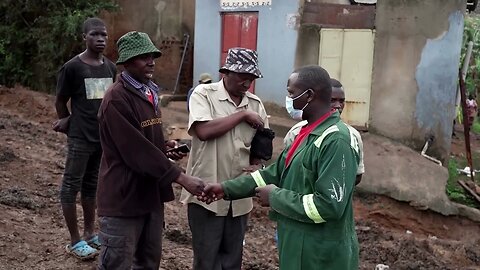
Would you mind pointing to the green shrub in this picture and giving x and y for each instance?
(476, 127)
(472, 33)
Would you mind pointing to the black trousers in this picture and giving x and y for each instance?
(217, 241)
(81, 171)
(131, 242)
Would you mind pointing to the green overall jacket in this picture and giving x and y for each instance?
(312, 203)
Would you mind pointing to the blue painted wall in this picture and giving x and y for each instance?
(276, 42)
(437, 77)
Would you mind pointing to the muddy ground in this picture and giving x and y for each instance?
(33, 235)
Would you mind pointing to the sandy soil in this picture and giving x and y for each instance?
(33, 236)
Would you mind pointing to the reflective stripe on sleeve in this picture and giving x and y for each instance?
(257, 177)
(329, 130)
(310, 209)
(353, 140)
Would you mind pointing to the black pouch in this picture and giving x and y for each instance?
(262, 144)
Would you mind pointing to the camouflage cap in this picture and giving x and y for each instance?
(134, 44)
(242, 60)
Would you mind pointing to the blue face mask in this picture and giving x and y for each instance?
(294, 113)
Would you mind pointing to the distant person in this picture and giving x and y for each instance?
(224, 118)
(472, 109)
(136, 174)
(205, 78)
(83, 80)
(338, 103)
(309, 189)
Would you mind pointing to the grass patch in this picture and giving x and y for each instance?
(476, 127)
(456, 192)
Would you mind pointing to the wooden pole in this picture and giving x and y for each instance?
(466, 123)
(471, 191)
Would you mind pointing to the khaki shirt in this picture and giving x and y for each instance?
(293, 132)
(223, 158)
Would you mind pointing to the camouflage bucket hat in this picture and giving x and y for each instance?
(242, 60)
(134, 44)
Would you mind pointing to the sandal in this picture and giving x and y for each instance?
(94, 242)
(82, 250)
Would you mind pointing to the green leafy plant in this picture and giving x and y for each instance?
(476, 127)
(472, 33)
(37, 37)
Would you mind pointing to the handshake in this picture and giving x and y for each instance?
(205, 193)
(214, 192)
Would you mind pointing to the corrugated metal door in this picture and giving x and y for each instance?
(347, 55)
(239, 29)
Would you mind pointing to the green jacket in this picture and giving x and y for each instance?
(313, 202)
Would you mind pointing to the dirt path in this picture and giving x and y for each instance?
(33, 236)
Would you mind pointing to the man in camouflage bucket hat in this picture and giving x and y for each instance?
(136, 174)
(242, 60)
(223, 120)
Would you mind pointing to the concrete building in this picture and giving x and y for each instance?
(417, 53)
(166, 22)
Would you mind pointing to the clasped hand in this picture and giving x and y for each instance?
(211, 193)
(214, 192)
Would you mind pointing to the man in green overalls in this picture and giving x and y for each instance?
(309, 188)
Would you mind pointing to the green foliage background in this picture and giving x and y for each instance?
(472, 33)
(38, 36)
